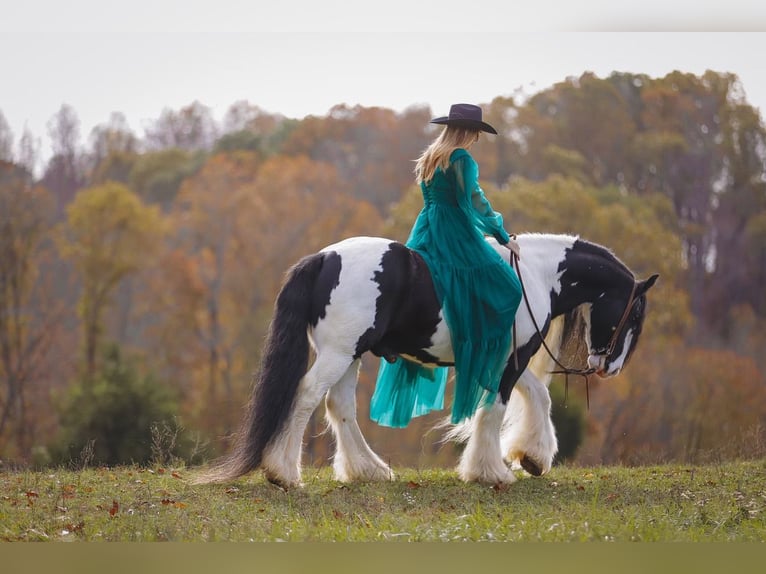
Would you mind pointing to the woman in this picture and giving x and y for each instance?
(478, 290)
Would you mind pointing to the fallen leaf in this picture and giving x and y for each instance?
(413, 484)
(32, 494)
(231, 490)
(337, 513)
(166, 501)
(175, 475)
(75, 527)
(179, 505)
(115, 508)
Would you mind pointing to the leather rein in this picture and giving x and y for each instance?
(566, 371)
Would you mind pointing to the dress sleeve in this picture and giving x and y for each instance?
(473, 202)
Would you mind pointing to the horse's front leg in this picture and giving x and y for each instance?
(482, 460)
(528, 434)
(354, 459)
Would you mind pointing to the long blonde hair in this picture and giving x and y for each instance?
(437, 154)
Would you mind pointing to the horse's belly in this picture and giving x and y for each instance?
(441, 347)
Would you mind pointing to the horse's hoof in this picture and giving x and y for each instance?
(281, 483)
(531, 466)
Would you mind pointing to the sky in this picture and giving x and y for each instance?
(301, 58)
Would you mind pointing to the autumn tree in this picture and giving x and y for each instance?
(687, 404)
(192, 128)
(64, 174)
(372, 149)
(202, 311)
(113, 151)
(109, 234)
(499, 156)
(6, 140)
(691, 138)
(239, 223)
(30, 319)
(28, 152)
(156, 176)
(248, 127)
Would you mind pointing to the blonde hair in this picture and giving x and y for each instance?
(437, 154)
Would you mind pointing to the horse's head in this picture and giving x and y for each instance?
(616, 320)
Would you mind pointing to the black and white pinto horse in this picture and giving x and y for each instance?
(373, 294)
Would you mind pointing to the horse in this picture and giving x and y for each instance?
(372, 294)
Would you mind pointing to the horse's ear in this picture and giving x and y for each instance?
(646, 284)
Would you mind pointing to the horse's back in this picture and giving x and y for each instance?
(384, 301)
(350, 309)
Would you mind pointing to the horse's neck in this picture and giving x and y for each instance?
(575, 271)
(588, 272)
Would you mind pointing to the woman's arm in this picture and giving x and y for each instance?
(474, 203)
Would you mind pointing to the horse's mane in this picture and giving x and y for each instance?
(565, 338)
(588, 247)
(600, 250)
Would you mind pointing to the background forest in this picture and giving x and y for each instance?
(138, 274)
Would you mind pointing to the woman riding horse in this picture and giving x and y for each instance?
(478, 290)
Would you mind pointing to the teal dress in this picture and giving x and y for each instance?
(479, 293)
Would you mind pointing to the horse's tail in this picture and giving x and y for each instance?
(283, 364)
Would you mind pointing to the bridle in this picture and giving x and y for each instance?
(566, 371)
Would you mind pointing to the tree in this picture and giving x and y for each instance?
(109, 234)
(64, 175)
(689, 404)
(192, 128)
(238, 224)
(157, 176)
(29, 319)
(28, 152)
(243, 116)
(113, 419)
(371, 149)
(203, 310)
(114, 151)
(739, 215)
(114, 136)
(6, 140)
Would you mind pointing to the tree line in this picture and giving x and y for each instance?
(137, 275)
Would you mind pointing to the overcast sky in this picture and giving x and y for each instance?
(303, 57)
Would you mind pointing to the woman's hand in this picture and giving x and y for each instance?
(513, 247)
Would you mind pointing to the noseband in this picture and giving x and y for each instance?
(566, 371)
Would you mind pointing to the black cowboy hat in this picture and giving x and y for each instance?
(465, 116)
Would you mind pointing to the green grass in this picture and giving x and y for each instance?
(721, 502)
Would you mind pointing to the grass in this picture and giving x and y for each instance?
(718, 502)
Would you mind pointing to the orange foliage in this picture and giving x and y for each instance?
(239, 223)
(678, 403)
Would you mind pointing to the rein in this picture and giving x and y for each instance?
(566, 371)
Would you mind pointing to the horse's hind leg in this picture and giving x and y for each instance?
(354, 459)
(282, 458)
(482, 459)
(528, 435)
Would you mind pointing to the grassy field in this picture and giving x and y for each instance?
(721, 502)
